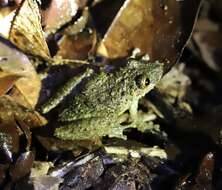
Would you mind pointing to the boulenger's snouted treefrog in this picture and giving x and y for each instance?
(95, 110)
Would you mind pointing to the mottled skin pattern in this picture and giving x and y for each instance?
(95, 110)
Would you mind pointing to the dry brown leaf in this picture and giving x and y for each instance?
(19, 97)
(22, 166)
(26, 132)
(58, 14)
(9, 110)
(26, 30)
(79, 25)
(30, 87)
(77, 46)
(16, 121)
(129, 28)
(11, 132)
(158, 28)
(16, 63)
(7, 82)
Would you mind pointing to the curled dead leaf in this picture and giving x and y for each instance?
(79, 24)
(9, 110)
(26, 30)
(158, 28)
(8, 144)
(23, 75)
(7, 82)
(77, 46)
(58, 14)
(10, 133)
(22, 166)
(15, 123)
(26, 132)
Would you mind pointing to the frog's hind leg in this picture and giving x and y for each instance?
(90, 129)
(139, 124)
(64, 91)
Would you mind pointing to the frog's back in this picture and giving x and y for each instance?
(109, 94)
(104, 94)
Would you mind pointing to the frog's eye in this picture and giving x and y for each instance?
(142, 81)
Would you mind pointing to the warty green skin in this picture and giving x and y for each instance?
(94, 112)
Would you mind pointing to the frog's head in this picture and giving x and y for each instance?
(145, 75)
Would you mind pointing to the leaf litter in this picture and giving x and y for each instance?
(183, 150)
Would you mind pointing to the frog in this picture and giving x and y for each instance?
(95, 111)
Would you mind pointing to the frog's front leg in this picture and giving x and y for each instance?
(138, 121)
(64, 91)
(134, 109)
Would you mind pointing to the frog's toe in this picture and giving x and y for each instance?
(117, 132)
(118, 135)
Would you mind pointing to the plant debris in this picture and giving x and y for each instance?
(110, 94)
